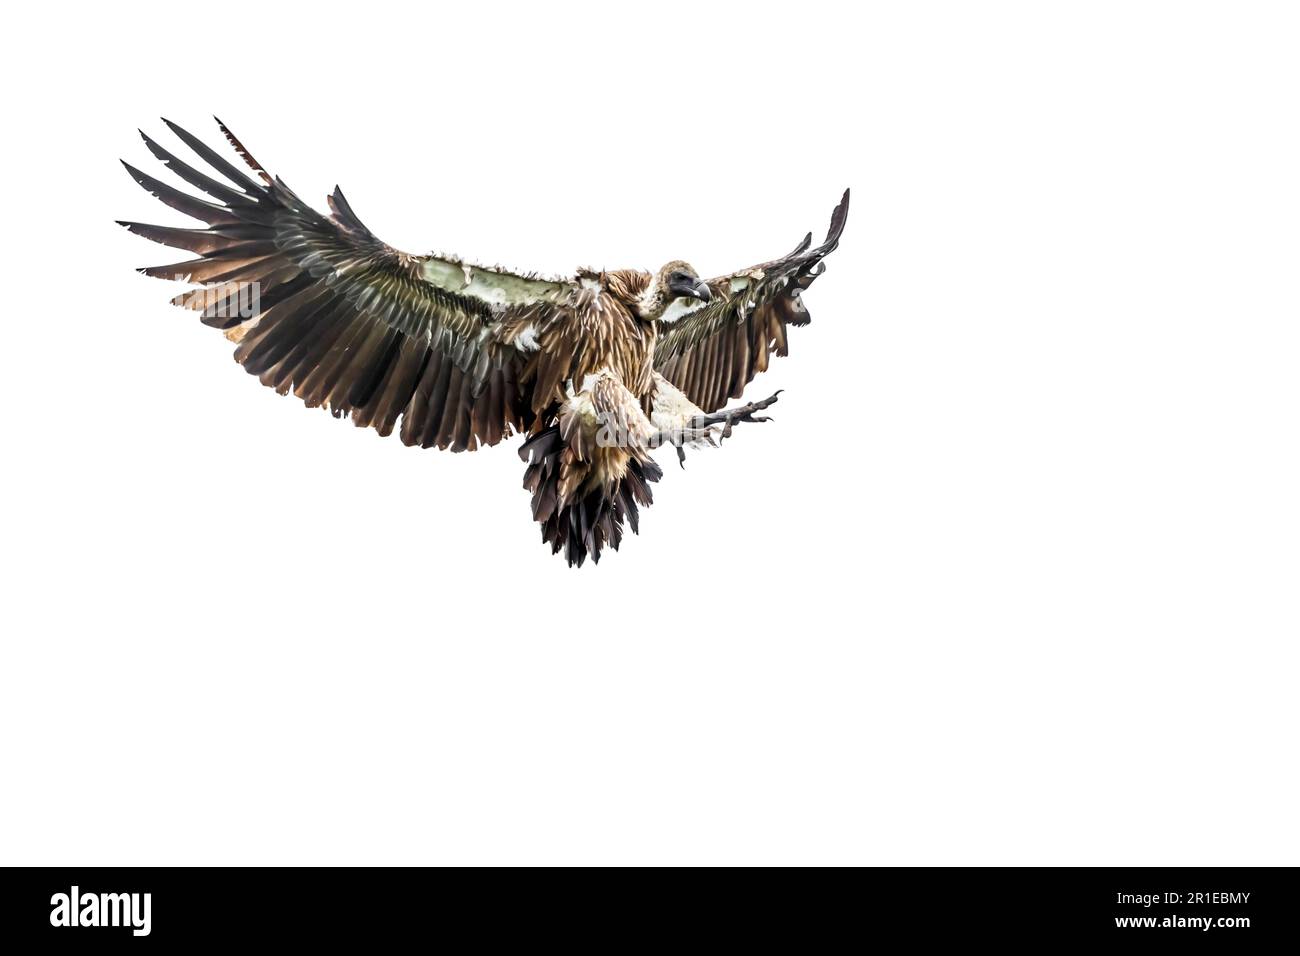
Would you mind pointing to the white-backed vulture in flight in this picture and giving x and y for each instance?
(596, 369)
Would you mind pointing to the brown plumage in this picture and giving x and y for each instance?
(598, 368)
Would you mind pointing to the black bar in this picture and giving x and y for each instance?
(1231, 909)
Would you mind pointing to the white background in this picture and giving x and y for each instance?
(1010, 579)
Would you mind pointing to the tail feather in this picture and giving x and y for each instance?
(590, 521)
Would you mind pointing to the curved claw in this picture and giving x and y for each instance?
(728, 417)
(698, 428)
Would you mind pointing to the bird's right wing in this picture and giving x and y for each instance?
(320, 306)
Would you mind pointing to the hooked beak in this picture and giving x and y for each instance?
(689, 287)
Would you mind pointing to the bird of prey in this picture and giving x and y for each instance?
(596, 369)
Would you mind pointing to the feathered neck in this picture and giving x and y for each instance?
(627, 285)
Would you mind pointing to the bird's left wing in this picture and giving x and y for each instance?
(320, 306)
(713, 353)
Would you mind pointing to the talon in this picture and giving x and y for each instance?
(728, 417)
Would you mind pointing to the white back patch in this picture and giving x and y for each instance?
(680, 308)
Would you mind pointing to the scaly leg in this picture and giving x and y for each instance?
(699, 428)
(745, 413)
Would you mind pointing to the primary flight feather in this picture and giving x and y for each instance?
(597, 369)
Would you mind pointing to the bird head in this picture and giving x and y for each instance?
(675, 290)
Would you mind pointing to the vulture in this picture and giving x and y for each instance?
(595, 369)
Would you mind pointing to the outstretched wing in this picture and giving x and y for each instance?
(712, 353)
(320, 306)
